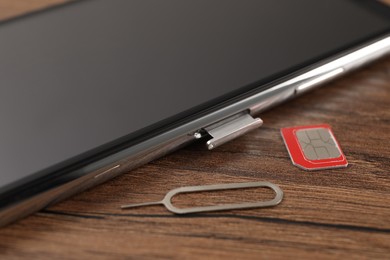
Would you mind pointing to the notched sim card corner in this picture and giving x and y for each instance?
(313, 147)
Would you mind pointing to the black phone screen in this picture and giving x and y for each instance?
(80, 77)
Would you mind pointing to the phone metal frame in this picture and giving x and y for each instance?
(158, 146)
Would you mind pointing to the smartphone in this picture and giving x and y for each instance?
(91, 89)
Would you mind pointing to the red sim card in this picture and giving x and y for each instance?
(313, 147)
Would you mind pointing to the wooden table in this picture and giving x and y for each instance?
(332, 213)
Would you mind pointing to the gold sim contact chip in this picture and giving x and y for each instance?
(313, 147)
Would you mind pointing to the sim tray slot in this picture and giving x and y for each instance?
(231, 128)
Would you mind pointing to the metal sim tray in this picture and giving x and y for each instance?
(229, 129)
(167, 201)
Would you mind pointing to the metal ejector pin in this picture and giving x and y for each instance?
(167, 201)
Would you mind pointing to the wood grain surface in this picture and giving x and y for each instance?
(342, 213)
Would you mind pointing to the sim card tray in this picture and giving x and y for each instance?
(230, 128)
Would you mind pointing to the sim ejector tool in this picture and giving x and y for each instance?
(167, 201)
